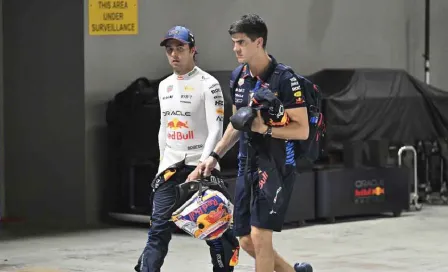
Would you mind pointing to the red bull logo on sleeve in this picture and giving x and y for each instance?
(175, 125)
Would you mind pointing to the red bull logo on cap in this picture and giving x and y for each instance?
(176, 124)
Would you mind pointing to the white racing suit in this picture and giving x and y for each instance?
(192, 113)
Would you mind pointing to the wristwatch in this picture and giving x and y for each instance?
(215, 155)
(268, 132)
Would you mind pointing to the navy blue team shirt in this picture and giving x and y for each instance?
(289, 92)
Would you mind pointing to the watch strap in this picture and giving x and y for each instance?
(215, 155)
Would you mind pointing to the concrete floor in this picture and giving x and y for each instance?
(416, 241)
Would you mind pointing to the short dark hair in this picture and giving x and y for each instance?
(190, 46)
(252, 25)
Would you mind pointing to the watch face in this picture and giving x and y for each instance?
(268, 131)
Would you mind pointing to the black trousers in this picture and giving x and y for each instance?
(222, 250)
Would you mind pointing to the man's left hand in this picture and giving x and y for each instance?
(258, 124)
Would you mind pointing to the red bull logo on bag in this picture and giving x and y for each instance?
(176, 124)
(206, 217)
(203, 209)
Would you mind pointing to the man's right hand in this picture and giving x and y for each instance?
(207, 166)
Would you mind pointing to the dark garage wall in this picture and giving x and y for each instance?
(2, 151)
(44, 110)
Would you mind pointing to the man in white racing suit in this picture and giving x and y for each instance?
(192, 112)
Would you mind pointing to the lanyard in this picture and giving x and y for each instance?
(257, 86)
(253, 91)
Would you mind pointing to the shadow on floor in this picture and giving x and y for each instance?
(339, 220)
(17, 230)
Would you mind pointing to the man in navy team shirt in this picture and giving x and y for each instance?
(270, 175)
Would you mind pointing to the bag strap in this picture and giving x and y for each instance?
(275, 79)
(277, 75)
(236, 74)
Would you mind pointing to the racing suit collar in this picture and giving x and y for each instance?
(188, 75)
